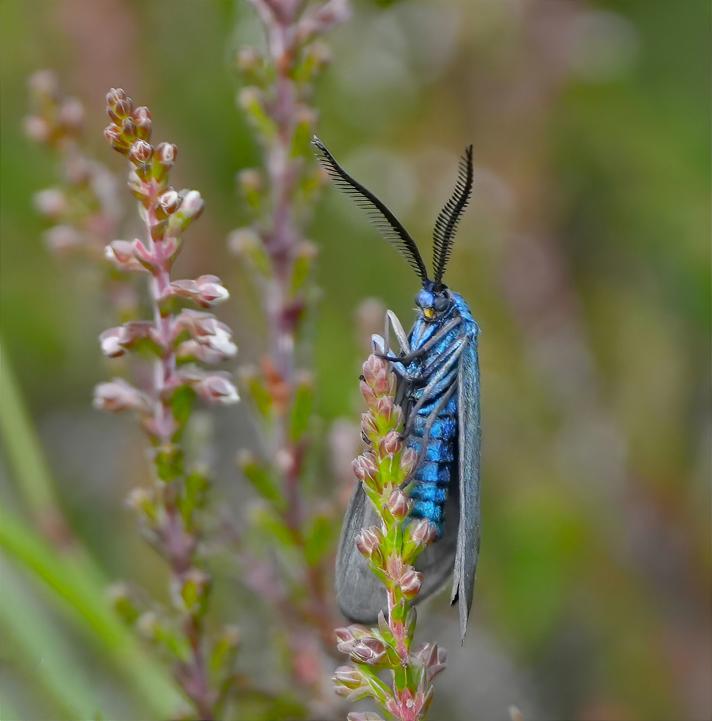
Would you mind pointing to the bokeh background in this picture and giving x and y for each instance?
(585, 256)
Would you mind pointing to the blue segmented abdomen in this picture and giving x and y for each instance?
(431, 478)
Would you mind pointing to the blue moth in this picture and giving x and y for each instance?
(438, 387)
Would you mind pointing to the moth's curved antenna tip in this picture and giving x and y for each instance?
(316, 142)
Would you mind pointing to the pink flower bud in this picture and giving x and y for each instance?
(192, 205)
(120, 253)
(140, 152)
(423, 532)
(368, 395)
(368, 541)
(410, 582)
(207, 290)
(114, 96)
(408, 460)
(118, 395)
(390, 444)
(51, 203)
(169, 201)
(363, 716)
(142, 121)
(368, 650)
(368, 426)
(398, 504)
(62, 238)
(432, 658)
(165, 154)
(364, 467)
(384, 407)
(71, 115)
(348, 675)
(128, 129)
(116, 341)
(114, 136)
(376, 374)
(217, 388)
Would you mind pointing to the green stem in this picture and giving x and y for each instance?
(26, 625)
(23, 449)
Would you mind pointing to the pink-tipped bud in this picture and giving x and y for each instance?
(120, 253)
(165, 154)
(140, 152)
(111, 343)
(408, 460)
(113, 134)
(368, 395)
(376, 374)
(398, 504)
(142, 121)
(384, 407)
(364, 467)
(432, 658)
(192, 205)
(368, 541)
(118, 395)
(368, 426)
(217, 388)
(128, 129)
(423, 532)
(169, 201)
(346, 680)
(410, 582)
(390, 444)
(368, 650)
(114, 96)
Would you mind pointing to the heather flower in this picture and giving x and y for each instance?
(81, 211)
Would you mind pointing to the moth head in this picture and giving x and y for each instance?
(433, 300)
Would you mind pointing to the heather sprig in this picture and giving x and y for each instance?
(82, 211)
(391, 548)
(276, 96)
(180, 341)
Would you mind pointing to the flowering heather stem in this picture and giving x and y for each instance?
(278, 197)
(82, 210)
(177, 339)
(391, 549)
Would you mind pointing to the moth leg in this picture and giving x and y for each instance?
(393, 321)
(428, 427)
(439, 376)
(413, 355)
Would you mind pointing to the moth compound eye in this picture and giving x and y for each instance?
(440, 303)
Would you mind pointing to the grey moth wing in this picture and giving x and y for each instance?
(358, 592)
(468, 537)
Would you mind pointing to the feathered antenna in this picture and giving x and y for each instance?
(449, 217)
(380, 215)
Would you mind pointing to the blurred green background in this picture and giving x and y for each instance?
(585, 256)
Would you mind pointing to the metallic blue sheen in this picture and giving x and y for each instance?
(438, 463)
